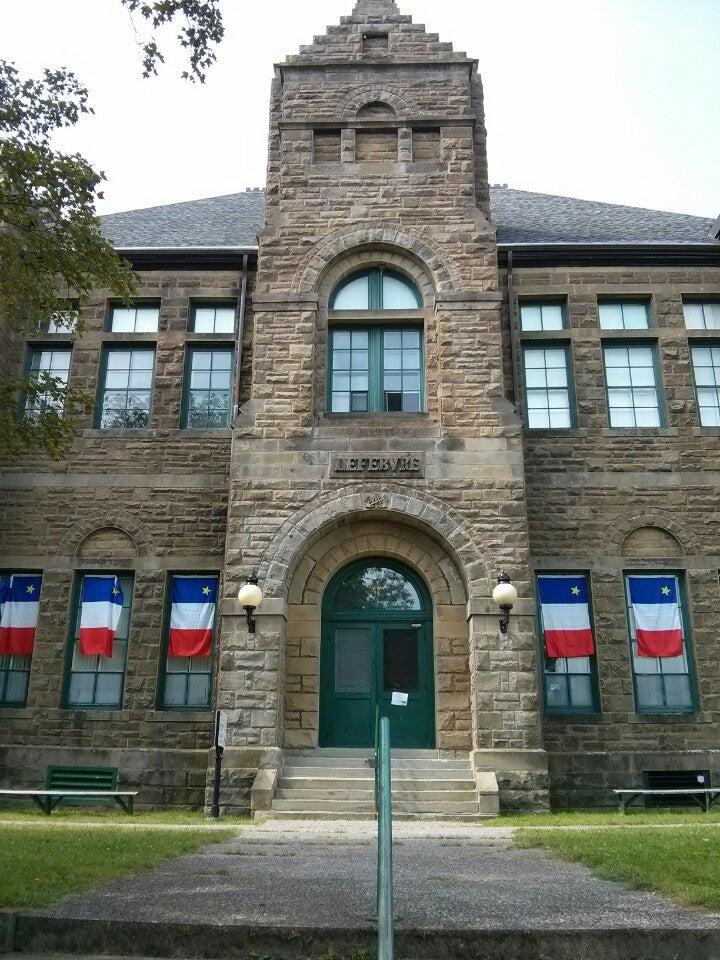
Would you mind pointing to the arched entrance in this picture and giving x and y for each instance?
(377, 640)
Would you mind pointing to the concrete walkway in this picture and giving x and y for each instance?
(322, 874)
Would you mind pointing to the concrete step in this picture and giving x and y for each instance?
(360, 773)
(358, 752)
(399, 763)
(399, 796)
(437, 807)
(311, 814)
(355, 783)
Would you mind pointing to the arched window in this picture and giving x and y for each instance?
(376, 290)
(376, 368)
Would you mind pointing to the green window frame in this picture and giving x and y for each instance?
(633, 385)
(137, 318)
(186, 683)
(94, 682)
(208, 387)
(14, 670)
(570, 685)
(376, 369)
(125, 387)
(216, 316)
(701, 314)
(51, 360)
(376, 289)
(663, 684)
(624, 314)
(542, 315)
(549, 386)
(705, 356)
(65, 320)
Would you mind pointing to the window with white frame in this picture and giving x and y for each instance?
(631, 315)
(50, 366)
(706, 371)
(548, 387)
(702, 316)
(213, 317)
(143, 318)
(632, 384)
(541, 316)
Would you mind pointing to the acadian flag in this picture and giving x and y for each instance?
(192, 617)
(565, 613)
(19, 605)
(100, 608)
(655, 607)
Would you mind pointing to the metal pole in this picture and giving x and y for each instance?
(385, 876)
(215, 806)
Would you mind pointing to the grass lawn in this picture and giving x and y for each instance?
(42, 864)
(113, 814)
(683, 864)
(607, 818)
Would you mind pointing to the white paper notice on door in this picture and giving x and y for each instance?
(399, 699)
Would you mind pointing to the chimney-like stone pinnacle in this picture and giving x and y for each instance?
(375, 8)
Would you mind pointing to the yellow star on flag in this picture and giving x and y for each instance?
(575, 591)
(31, 589)
(115, 591)
(665, 591)
(206, 591)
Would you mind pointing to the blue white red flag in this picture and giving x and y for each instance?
(100, 608)
(655, 608)
(565, 613)
(19, 605)
(192, 617)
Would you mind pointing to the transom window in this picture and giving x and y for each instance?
(542, 316)
(624, 316)
(208, 388)
(702, 316)
(376, 587)
(706, 369)
(213, 317)
(47, 362)
(126, 388)
(631, 378)
(136, 319)
(376, 290)
(548, 387)
(376, 369)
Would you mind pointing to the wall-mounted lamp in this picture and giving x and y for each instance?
(250, 597)
(505, 596)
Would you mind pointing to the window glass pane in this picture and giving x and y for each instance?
(611, 317)
(530, 317)
(198, 689)
(352, 661)
(547, 389)
(147, 319)
(649, 691)
(556, 692)
(81, 689)
(633, 399)
(208, 401)
(175, 690)
(552, 316)
(123, 320)
(711, 312)
(225, 320)
(65, 321)
(48, 363)
(694, 319)
(16, 687)
(375, 587)
(107, 690)
(397, 294)
(400, 660)
(677, 691)
(581, 691)
(635, 316)
(355, 295)
(706, 368)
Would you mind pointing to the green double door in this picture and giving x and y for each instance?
(380, 656)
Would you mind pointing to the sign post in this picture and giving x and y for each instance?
(219, 739)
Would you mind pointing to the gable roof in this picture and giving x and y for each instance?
(233, 222)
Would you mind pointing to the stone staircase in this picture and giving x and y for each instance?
(340, 784)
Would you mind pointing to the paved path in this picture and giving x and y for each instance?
(451, 876)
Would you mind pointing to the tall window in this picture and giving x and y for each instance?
(542, 316)
(97, 681)
(632, 383)
(663, 684)
(376, 290)
(213, 317)
(376, 369)
(702, 316)
(624, 316)
(136, 319)
(570, 684)
(19, 606)
(207, 403)
(45, 363)
(706, 370)
(126, 382)
(186, 681)
(548, 387)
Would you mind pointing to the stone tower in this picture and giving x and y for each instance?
(377, 162)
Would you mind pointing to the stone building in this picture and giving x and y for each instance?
(379, 383)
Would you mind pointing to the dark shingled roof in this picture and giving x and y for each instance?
(521, 218)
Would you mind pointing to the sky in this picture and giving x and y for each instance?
(613, 100)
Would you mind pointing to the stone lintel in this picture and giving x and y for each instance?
(512, 760)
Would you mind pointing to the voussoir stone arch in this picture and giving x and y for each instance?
(124, 541)
(682, 536)
(299, 532)
(651, 541)
(424, 254)
(376, 94)
(375, 538)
